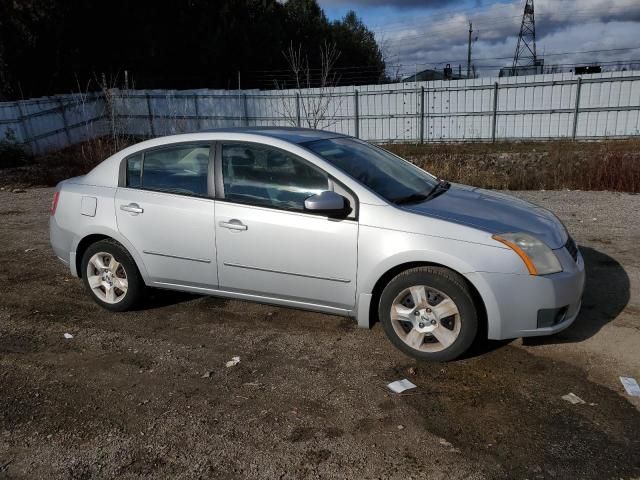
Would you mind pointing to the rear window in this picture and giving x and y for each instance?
(180, 169)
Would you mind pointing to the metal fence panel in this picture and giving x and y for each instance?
(536, 107)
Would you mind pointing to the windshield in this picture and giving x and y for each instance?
(389, 176)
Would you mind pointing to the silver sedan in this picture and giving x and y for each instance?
(319, 221)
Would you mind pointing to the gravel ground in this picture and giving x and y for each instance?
(147, 393)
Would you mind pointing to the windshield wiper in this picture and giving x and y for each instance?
(441, 187)
(413, 198)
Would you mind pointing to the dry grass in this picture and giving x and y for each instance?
(51, 168)
(610, 165)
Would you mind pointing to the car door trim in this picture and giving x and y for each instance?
(287, 211)
(211, 176)
(294, 274)
(201, 260)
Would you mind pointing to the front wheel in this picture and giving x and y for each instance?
(111, 276)
(429, 313)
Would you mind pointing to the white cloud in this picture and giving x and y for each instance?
(561, 26)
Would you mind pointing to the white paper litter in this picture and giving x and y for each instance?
(573, 398)
(68, 336)
(233, 362)
(631, 386)
(400, 386)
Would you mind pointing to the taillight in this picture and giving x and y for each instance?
(54, 203)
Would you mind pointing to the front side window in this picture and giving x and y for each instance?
(179, 169)
(384, 173)
(268, 177)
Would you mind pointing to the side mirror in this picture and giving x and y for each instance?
(328, 203)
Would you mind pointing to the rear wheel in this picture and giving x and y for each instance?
(111, 276)
(429, 313)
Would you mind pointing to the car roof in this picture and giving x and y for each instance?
(288, 134)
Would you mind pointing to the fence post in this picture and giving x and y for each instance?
(64, 120)
(298, 123)
(197, 109)
(356, 110)
(422, 114)
(150, 114)
(495, 112)
(576, 110)
(427, 112)
(23, 126)
(31, 138)
(111, 103)
(245, 110)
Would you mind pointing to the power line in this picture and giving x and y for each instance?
(559, 53)
(287, 72)
(401, 71)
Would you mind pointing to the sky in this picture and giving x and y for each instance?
(419, 34)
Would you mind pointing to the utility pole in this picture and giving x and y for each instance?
(469, 51)
(239, 80)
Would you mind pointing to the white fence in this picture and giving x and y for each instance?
(51, 123)
(536, 107)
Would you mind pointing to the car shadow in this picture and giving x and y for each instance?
(159, 298)
(606, 294)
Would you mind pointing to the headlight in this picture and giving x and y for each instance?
(539, 259)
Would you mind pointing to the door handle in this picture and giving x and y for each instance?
(233, 224)
(132, 208)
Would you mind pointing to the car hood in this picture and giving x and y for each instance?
(494, 213)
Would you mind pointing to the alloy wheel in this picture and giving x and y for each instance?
(425, 319)
(107, 278)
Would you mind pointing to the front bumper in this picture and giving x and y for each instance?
(513, 301)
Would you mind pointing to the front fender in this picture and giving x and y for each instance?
(413, 256)
(380, 251)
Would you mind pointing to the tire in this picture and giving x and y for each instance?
(446, 324)
(106, 286)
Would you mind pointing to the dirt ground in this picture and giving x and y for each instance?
(147, 393)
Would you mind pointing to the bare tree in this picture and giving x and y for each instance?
(311, 107)
(391, 72)
(115, 100)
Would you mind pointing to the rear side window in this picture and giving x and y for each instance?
(180, 169)
(134, 169)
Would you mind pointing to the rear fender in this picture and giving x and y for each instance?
(108, 232)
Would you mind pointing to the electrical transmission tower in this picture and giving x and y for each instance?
(525, 55)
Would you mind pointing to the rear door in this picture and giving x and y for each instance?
(166, 210)
(267, 244)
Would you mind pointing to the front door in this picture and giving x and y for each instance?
(166, 212)
(267, 245)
